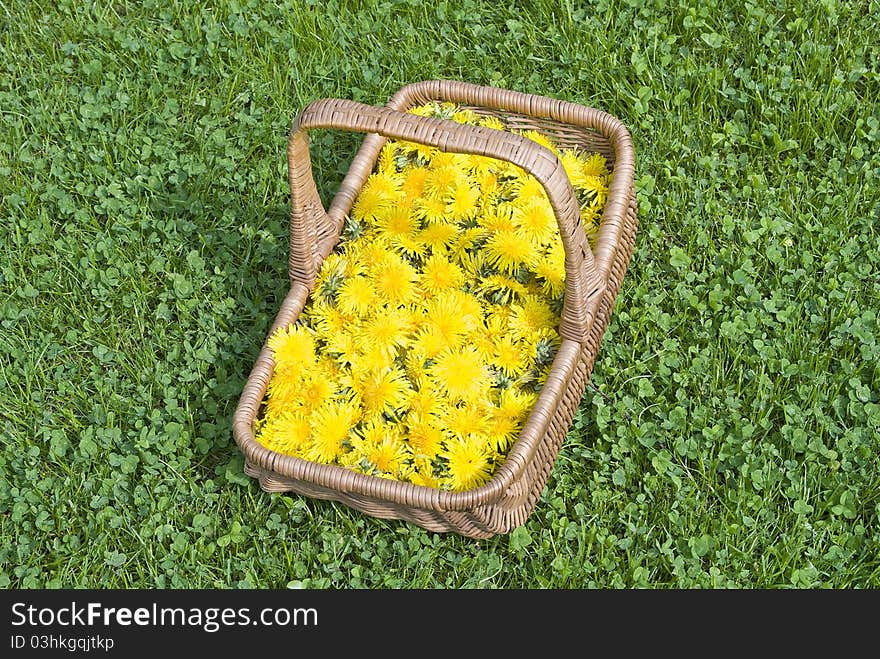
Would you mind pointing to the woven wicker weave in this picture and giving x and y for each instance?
(592, 281)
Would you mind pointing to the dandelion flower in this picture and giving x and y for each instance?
(423, 475)
(461, 202)
(540, 138)
(461, 374)
(330, 426)
(387, 330)
(413, 184)
(530, 316)
(382, 447)
(370, 203)
(595, 165)
(440, 274)
(462, 421)
(536, 222)
(507, 356)
(387, 390)
(529, 190)
(468, 461)
(453, 313)
(490, 121)
(509, 251)
(438, 235)
(441, 181)
(356, 296)
(293, 349)
(395, 281)
(432, 210)
(425, 400)
(465, 117)
(550, 268)
(287, 434)
(498, 218)
(314, 391)
(499, 289)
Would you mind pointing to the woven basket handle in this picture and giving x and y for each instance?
(309, 221)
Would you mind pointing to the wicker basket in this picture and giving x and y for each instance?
(592, 281)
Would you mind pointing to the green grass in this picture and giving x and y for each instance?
(731, 433)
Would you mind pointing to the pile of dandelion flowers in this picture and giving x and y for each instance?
(433, 324)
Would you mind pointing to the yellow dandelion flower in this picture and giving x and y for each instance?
(425, 110)
(596, 186)
(528, 189)
(440, 274)
(342, 346)
(438, 235)
(490, 121)
(508, 356)
(595, 164)
(452, 313)
(465, 117)
(461, 374)
(395, 281)
(387, 330)
(385, 183)
(330, 426)
(572, 164)
(496, 322)
(315, 390)
(499, 289)
(489, 187)
(462, 421)
(516, 404)
(409, 246)
(287, 434)
(530, 316)
(371, 252)
(473, 264)
(461, 202)
(508, 251)
(458, 162)
(431, 209)
(421, 151)
(334, 269)
(481, 343)
(370, 202)
(326, 319)
(382, 447)
(468, 462)
(431, 340)
(425, 400)
(387, 390)
(398, 221)
(283, 392)
(441, 181)
(387, 158)
(498, 218)
(356, 296)
(504, 430)
(469, 239)
(540, 138)
(550, 269)
(293, 349)
(423, 475)
(481, 167)
(536, 222)
(413, 184)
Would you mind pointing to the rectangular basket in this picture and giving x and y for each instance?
(592, 280)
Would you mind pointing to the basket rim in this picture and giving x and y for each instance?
(565, 361)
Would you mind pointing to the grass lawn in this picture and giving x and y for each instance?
(731, 432)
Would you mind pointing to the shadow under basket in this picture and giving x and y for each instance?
(593, 276)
